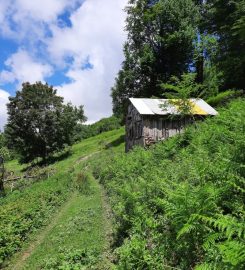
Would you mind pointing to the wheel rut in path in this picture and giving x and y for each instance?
(40, 238)
(20, 260)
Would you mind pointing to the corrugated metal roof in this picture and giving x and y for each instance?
(148, 106)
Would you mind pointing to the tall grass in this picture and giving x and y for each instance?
(180, 205)
(24, 211)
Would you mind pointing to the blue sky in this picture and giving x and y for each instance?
(74, 45)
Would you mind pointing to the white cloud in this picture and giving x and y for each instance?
(3, 110)
(6, 77)
(97, 32)
(4, 22)
(22, 67)
(26, 19)
(41, 10)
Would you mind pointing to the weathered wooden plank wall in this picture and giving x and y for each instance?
(159, 128)
(134, 128)
(148, 129)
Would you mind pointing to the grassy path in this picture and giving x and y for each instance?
(42, 237)
(80, 229)
(25, 254)
(51, 224)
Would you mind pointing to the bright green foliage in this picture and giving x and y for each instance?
(24, 211)
(2, 140)
(226, 20)
(7, 153)
(39, 124)
(72, 259)
(78, 236)
(213, 80)
(223, 97)
(169, 38)
(180, 205)
(181, 90)
(4, 152)
(159, 45)
(105, 124)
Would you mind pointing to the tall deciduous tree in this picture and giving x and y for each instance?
(39, 124)
(226, 20)
(159, 45)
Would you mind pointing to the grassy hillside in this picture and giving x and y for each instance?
(180, 205)
(26, 210)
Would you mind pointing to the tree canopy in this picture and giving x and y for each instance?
(39, 123)
(159, 45)
(226, 21)
(168, 38)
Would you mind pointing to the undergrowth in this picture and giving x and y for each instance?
(72, 259)
(180, 205)
(24, 211)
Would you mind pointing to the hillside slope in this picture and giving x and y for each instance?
(40, 218)
(180, 205)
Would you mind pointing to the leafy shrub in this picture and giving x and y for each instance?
(105, 124)
(71, 260)
(83, 182)
(22, 212)
(180, 205)
(223, 97)
(4, 152)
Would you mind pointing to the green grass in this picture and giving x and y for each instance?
(15, 166)
(224, 97)
(180, 205)
(24, 212)
(79, 228)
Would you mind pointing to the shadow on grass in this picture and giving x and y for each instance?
(51, 160)
(116, 142)
(58, 157)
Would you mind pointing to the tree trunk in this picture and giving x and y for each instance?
(199, 69)
(1, 187)
(1, 180)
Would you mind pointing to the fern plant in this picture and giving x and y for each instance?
(225, 240)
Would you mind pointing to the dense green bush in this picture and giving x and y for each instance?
(2, 140)
(224, 97)
(105, 124)
(181, 203)
(39, 123)
(72, 259)
(4, 152)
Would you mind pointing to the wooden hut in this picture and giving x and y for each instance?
(152, 120)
